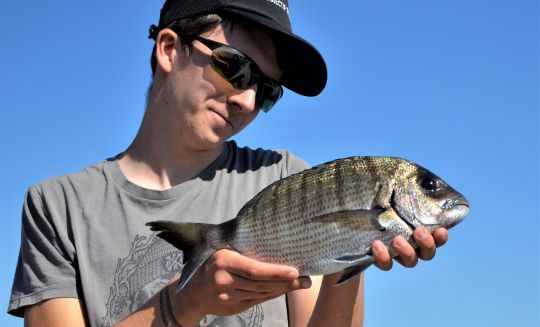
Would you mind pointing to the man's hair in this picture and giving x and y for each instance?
(189, 27)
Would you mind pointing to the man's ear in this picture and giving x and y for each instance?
(166, 50)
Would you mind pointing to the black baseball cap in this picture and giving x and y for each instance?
(304, 69)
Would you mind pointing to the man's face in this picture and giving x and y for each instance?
(207, 108)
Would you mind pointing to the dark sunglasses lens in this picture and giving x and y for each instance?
(233, 66)
(267, 97)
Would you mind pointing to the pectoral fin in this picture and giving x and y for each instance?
(359, 262)
(366, 219)
(387, 218)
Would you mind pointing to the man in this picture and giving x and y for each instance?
(87, 258)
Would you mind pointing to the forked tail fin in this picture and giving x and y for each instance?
(190, 238)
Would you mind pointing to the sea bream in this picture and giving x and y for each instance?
(324, 219)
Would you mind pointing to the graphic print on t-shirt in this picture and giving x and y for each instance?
(149, 266)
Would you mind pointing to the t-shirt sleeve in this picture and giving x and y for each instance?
(45, 268)
(294, 165)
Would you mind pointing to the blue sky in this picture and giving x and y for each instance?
(452, 85)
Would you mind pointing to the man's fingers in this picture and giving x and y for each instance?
(251, 269)
(226, 280)
(425, 242)
(406, 254)
(270, 287)
(381, 255)
(247, 290)
(441, 236)
(234, 296)
(233, 301)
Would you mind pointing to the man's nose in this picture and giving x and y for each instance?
(244, 100)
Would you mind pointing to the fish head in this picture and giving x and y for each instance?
(423, 199)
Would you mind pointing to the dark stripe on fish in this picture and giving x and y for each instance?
(339, 179)
(304, 193)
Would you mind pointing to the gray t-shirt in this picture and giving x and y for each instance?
(84, 234)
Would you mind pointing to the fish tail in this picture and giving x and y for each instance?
(191, 239)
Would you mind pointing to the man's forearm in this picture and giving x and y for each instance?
(341, 305)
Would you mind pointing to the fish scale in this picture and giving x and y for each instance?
(324, 219)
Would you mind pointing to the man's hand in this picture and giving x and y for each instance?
(407, 255)
(230, 283)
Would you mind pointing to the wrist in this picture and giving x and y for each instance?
(167, 315)
(184, 307)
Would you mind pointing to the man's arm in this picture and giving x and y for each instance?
(228, 283)
(55, 312)
(326, 304)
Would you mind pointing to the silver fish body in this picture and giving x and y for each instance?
(323, 220)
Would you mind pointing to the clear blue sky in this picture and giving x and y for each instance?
(452, 85)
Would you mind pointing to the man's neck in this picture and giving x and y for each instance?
(158, 159)
(154, 170)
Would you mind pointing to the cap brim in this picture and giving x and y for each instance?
(304, 69)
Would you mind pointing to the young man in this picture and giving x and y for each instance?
(87, 257)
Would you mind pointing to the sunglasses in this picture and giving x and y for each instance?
(242, 72)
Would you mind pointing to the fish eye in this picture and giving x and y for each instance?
(429, 184)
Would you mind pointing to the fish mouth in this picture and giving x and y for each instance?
(455, 202)
(456, 210)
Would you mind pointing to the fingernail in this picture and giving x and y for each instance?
(422, 234)
(306, 283)
(400, 242)
(293, 274)
(377, 247)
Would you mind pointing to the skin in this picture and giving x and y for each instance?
(192, 111)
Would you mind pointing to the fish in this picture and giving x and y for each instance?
(324, 219)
